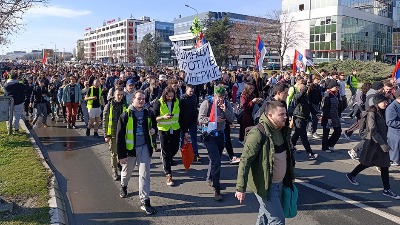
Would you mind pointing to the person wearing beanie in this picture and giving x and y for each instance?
(330, 117)
(376, 87)
(213, 114)
(375, 147)
(392, 121)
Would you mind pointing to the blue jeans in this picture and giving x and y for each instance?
(193, 138)
(271, 211)
(215, 145)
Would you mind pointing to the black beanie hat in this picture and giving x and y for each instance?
(377, 85)
(378, 98)
(331, 84)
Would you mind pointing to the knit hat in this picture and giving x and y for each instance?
(331, 84)
(378, 98)
(377, 85)
(219, 90)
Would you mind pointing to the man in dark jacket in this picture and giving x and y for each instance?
(189, 113)
(301, 114)
(39, 102)
(15, 90)
(315, 98)
(135, 146)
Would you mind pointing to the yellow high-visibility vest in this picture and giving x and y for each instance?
(130, 135)
(165, 125)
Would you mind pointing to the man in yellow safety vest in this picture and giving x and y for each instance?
(94, 102)
(135, 146)
(112, 112)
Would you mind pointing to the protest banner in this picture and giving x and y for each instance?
(199, 64)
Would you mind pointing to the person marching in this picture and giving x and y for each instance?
(135, 146)
(375, 151)
(213, 114)
(112, 112)
(167, 112)
(94, 103)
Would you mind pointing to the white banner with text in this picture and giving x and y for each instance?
(199, 64)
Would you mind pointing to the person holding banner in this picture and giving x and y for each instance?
(213, 114)
(167, 112)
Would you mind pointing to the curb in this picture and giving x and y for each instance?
(58, 213)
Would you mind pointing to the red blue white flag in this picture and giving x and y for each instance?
(260, 53)
(298, 62)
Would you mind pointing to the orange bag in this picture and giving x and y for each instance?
(187, 155)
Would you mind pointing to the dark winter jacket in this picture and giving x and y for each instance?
(39, 95)
(188, 111)
(15, 90)
(121, 132)
(117, 111)
(330, 109)
(302, 106)
(375, 151)
(314, 94)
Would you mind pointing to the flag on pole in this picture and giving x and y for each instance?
(201, 41)
(196, 27)
(44, 59)
(396, 73)
(298, 64)
(260, 53)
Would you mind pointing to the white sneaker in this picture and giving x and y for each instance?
(352, 154)
(394, 164)
(316, 136)
(234, 160)
(391, 194)
(309, 134)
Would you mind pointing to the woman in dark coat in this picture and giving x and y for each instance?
(375, 149)
(247, 103)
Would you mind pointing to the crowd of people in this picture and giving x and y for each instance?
(136, 108)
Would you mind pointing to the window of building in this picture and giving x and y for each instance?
(301, 7)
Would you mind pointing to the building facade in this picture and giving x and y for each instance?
(114, 42)
(161, 30)
(244, 51)
(342, 29)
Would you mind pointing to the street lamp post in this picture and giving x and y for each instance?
(193, 9)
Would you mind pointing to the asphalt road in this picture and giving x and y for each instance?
(82, 167)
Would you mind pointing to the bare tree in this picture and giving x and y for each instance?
(240, 41)
(11, 12)
(286, 33)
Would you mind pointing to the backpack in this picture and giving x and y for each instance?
(362, 124)
(259, 126)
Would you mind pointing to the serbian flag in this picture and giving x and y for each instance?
(260, 53)
(212, 123)
(44, 59)
(201, 40)
(396, 73)
(298, 64)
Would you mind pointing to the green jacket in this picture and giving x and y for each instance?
(257, 161)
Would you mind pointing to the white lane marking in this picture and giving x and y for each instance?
(378, 212)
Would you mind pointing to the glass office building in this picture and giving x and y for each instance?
(162, 30)
(344, 29)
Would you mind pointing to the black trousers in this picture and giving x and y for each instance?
(384, 174)
(300, 130)
(169, 147)
(330, 141)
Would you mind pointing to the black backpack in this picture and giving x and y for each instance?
(259, 126)
(348, 80)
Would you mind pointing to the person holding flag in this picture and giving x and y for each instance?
(213, 114)
(260, 54)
